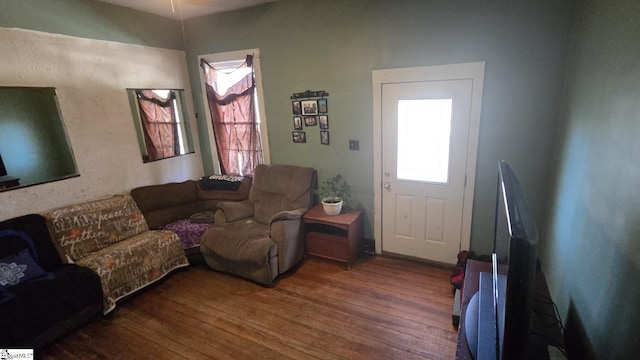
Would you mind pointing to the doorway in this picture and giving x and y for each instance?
(426, 123)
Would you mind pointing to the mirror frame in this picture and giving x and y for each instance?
(184, 121)
(35, 144)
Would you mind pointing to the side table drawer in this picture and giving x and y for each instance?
(327, 245)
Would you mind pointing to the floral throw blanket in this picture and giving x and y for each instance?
(111, 237)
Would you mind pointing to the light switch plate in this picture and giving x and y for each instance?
(354, 144)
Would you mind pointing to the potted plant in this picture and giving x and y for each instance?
(335, 193)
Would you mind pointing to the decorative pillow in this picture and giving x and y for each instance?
(18, 268)
(13, 241)
(220, 182)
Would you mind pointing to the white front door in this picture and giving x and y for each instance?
(425, 142)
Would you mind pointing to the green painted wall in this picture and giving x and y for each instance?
(33, 141)
(592, 247)
(92, 19)
(334, 45)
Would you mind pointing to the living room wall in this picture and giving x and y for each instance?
(591, 250)
(92, 19)
(334, 45)
(91, 77)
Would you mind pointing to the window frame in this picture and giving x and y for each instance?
(183, 123)
(232, 57)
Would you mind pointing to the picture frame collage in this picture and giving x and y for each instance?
(309, 113)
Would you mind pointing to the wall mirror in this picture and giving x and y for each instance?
(162, 124)
(34, 147)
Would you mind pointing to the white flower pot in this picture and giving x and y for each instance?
(332, 208)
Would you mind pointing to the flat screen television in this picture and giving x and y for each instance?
(515, 251)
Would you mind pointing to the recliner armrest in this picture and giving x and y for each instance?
(288, 215)
(229, 211)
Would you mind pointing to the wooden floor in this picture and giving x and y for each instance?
(383, 308)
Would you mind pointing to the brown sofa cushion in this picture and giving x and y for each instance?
(229, 211)
(208, 199)
(278, 188)
(245, 240)
(166, 203)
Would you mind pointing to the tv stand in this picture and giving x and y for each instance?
(546, 327)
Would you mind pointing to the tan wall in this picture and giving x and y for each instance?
(91, 77)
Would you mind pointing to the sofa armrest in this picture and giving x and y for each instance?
(288, 234)
(288, 215)
(229, 211)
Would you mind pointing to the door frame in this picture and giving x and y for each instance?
(473, 71)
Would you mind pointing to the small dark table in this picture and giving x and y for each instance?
(336, 237)
(547, 325)
(8, 182)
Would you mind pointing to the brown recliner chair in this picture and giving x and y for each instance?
(263, 236)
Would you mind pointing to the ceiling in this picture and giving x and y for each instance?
(185, 9)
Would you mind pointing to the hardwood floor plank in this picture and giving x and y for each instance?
(382, 308)
(247, 321)
(387, 325)
(357, 294)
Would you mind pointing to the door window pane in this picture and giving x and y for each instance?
(424, 129)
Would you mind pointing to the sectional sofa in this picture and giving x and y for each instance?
(187, 207)
(61, 269)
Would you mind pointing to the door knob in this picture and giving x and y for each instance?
(387, 185)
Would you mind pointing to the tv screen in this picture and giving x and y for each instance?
(498, 315)
(515, 246)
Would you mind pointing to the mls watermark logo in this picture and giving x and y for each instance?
(10, 354)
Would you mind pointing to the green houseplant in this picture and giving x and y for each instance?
(335, 193)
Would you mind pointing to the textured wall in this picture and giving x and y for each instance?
(91, 77)
(93, 19)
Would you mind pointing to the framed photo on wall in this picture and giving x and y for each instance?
(295, 106)
(299, 136)
(324, 137)
(322, 106)
(324, 121)
(310, 121)
(297, 123)
(309, 107)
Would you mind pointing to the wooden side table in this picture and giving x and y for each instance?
(336, 237)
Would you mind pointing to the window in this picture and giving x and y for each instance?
(161, 123)
(232, 92)
(424, 129)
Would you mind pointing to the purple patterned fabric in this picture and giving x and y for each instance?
(188, 232)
